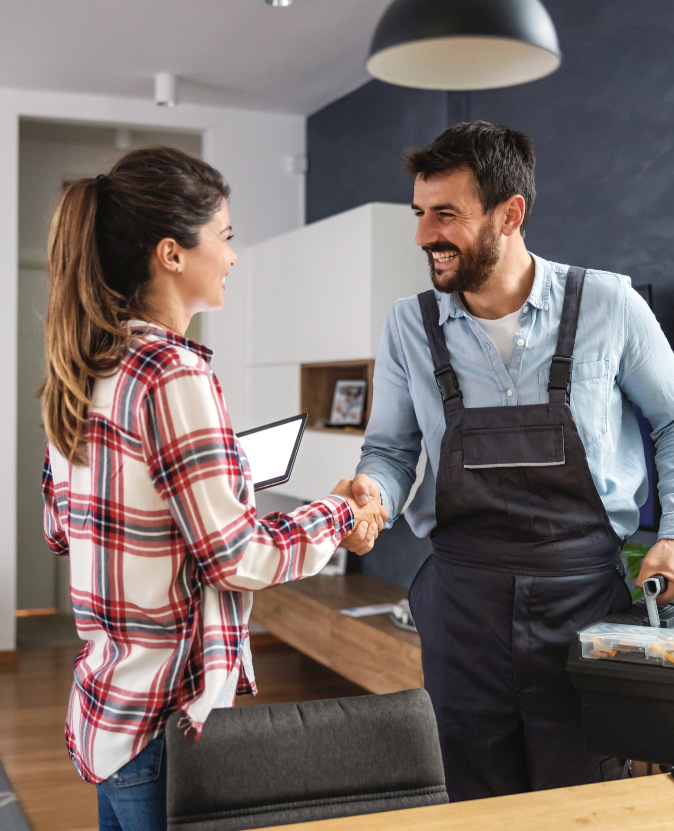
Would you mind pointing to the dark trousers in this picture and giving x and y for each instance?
(494, 649)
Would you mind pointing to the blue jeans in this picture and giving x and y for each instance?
(134, 798)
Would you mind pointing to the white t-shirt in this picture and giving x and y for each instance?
(502, 333)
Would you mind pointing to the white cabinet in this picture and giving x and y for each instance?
(318, 294)
(321, 293)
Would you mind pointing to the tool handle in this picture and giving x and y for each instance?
(654, 585)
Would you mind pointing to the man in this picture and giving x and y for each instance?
(518, 375)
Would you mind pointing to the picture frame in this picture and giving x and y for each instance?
(348, 403)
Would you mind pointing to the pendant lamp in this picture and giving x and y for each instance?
(463, 44)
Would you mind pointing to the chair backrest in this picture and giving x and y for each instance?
(262, 765)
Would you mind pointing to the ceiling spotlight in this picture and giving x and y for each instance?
(278, 3)
(165, 89)
(463, 44)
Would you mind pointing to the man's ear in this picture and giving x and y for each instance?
(169, 255)
(514, 214)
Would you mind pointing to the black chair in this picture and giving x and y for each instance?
(262, 765)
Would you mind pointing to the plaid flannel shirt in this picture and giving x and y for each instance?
(165, 550)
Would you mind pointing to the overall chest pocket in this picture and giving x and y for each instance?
(589, 398)
(532, 446)
(511, 483)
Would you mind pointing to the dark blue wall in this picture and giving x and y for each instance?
(604, 132)
(355, 144)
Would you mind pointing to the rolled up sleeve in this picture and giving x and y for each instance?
(198, 467)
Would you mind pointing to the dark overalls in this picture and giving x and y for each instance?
(523, 554)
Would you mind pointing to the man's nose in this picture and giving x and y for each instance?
(427, 231)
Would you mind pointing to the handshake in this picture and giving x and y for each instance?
(362, 494)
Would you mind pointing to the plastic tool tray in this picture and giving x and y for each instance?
(636, 644)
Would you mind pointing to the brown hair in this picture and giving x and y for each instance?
(101, 241)
(502, 161)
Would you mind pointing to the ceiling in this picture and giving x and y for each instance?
(234, 53)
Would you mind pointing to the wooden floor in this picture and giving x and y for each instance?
(33, 700)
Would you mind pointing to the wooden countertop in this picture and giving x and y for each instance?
(370, 651)
(645, 803)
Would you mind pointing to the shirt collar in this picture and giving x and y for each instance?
(144, 327)
(539, 296)
(450, 305)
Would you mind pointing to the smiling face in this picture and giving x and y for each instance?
(461, 241)
(205, 267)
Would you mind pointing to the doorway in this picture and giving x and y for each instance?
(52, 153)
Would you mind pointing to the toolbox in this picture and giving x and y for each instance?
(624, 671)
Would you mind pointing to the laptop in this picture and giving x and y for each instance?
(271, 450)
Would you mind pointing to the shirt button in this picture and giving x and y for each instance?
(520, 342)
(509, 393)
(525, 309)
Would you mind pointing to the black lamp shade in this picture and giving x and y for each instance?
(464, 44)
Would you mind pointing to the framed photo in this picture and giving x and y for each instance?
(348, 403)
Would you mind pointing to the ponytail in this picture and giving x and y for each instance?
(84, 328)
(101, 243)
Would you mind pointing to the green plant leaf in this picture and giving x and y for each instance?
(634, 553)
(635, 548)
(636, 593)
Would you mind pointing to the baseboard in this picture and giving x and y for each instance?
(9, 659)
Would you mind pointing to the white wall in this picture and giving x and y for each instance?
(251, 149)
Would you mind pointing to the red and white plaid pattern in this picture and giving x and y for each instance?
(165, 549)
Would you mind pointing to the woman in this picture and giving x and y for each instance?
(145, 485)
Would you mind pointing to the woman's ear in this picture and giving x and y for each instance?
(169, 255)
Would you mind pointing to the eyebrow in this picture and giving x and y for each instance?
(445, 207)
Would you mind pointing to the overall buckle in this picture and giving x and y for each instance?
(560, 373)
(447, 383)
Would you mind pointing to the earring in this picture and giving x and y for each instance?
(179, 269)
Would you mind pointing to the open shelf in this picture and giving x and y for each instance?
(317, 386)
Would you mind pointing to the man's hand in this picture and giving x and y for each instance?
(660, 560)
(363, 496)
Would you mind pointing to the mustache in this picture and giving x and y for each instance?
(440, 247)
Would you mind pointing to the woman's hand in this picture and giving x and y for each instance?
(362, 494)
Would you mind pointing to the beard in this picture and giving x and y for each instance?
(474, 266)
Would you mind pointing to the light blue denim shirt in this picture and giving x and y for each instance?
(621, 355)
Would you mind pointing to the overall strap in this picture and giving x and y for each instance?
(445, 377)
(559, 385)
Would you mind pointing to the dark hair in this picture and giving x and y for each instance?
(502, 161)
(101, 241)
